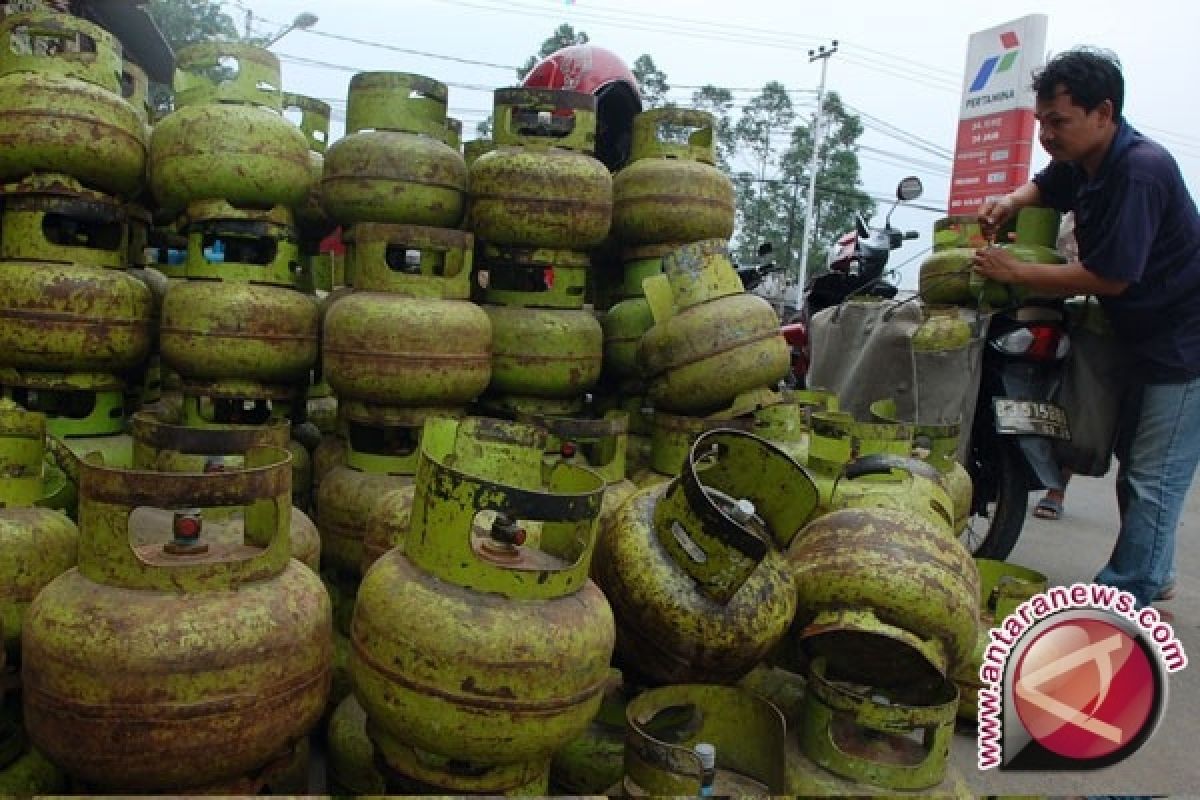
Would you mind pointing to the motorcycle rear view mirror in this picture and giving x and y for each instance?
(909, 189)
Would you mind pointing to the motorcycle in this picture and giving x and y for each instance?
(856, 266)
(1015, 423)
(752, 275)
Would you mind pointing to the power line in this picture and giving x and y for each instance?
(636, 23)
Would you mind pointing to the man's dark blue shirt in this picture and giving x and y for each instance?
(1135, 221)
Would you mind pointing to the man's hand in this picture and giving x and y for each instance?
(997, 264)
(993, 213)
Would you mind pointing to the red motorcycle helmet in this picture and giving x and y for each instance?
(587, 68)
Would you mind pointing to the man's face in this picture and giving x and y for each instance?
(1067, 132)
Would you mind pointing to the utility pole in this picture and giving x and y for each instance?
(823, 53)
(249, 23)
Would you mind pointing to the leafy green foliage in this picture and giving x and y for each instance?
(564, 36)
(652, 82)
(185, 22)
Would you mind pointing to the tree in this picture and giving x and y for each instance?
(652, 82)
(838, 196)
(719, 103)
(773, 153)
(564, 36)
(765, 122)
(185, 22)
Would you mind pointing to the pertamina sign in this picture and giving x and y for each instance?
(996, 123)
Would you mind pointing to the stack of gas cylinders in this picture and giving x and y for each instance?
(572, 536)
(186, 527)
(403, 342)
(76, 327)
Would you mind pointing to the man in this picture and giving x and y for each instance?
(1139, 252)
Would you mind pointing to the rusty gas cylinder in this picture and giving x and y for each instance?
(540, 186)
(252, 625)
(242, 317)
(710, 340)
(946, 275)
(394, 166)
(36, 544)
(227, 138)
(66, 304)
(671, 191)
(61, 108)
(435, 626)
(702, 740)
(887, 595)
(408, 334)
(694, 568)
(548, 353)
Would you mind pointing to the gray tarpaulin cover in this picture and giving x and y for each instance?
(862, 350)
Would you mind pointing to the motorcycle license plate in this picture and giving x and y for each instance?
(1030, 417)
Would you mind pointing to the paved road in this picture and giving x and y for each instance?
(1073, 549)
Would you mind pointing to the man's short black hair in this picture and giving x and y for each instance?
(1088, 74)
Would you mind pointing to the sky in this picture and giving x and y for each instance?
(899, 64)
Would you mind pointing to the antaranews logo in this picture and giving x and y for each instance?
(1001, 62)
(1074, 679)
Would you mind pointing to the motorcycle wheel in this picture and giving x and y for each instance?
(1002, 489)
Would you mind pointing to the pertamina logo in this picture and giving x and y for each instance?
(993, 66)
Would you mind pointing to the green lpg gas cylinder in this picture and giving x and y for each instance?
(252, 626)
(240, 318)
(227, 138)
(669, 730)
(947, 275)
(671, 191)
(61, 108)
(436, 626)
(66, 304)
(694, 568)
(36, 544)
(548, 353)
(393, 165)
(408, 334)
(887, 595)
(540, 186)
(710, 341)
(864, 741)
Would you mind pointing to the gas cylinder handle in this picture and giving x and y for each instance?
(402, 102)
(100, 66)
(369, 244)
(544, 118)
(649, 142)
(108, 497)
(447, 504)
(257, 81)
(737, 497)
(883, 463)
(314, 119)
